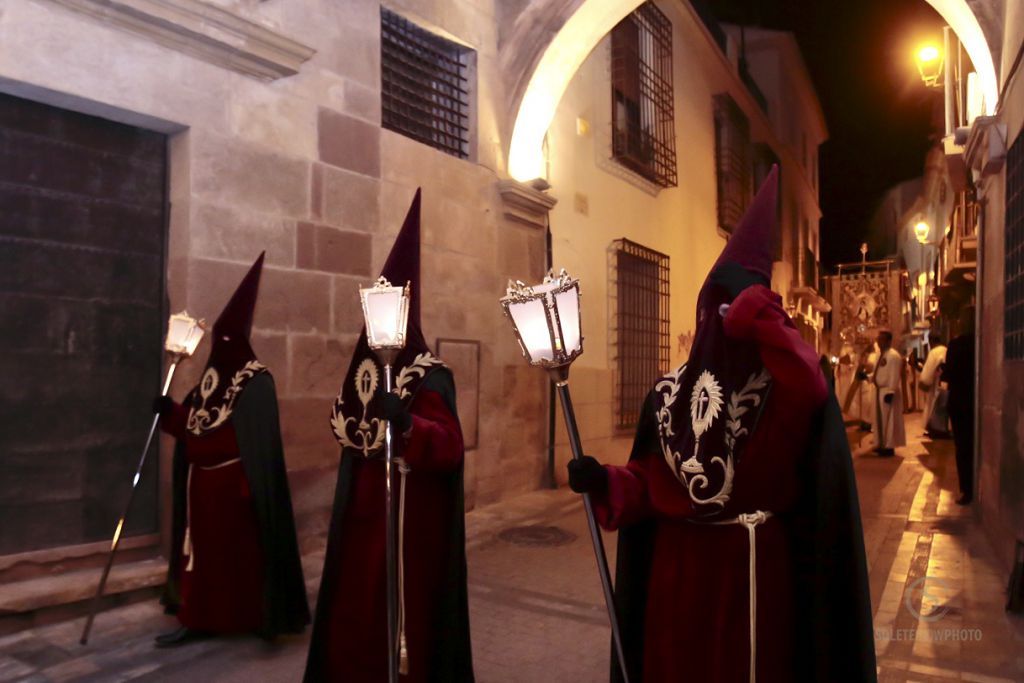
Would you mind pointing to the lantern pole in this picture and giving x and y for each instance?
(560, 376)
(557, 367)
(116, 540)
(387, 354)
(387, 358)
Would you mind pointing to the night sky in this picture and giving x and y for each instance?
(879, 114)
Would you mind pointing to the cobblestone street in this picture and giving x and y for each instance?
(537, 613)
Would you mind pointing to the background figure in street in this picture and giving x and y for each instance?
(740, 543)
(936, 416)
(859, 403)
(349, 642)
(888, 380)
(959, 376)
(235, 564)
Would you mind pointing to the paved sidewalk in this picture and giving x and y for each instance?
(537, 612)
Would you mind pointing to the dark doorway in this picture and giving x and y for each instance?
(82, 234)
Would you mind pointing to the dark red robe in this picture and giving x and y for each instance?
(353, 629)
(696, 621)
(222, 590)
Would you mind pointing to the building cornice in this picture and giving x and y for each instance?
(204, 31)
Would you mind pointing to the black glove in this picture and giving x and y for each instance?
(862, 375)
(587, 475)
(163, 405)
(734, 278)
(888, 398)
(395, 411)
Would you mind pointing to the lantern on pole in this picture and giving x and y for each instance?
(546, 320)
(183, 336)
(386, 314)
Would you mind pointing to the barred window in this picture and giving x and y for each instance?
(424, 85)
(732, 161)
(643, 117)
(641, 332)
(1013, 332)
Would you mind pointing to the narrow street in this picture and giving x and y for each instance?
(537, 613)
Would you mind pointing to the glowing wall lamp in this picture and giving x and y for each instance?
(929, 64)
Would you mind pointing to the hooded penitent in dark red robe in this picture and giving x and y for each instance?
(349, 643)
(741, 453)
(234, 558)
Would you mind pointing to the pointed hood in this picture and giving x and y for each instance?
(751, 242)
(357, 418)
(711, 403)
(232, 362)
(403, 265)
(236, 318)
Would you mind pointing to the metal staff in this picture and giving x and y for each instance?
(183, 335)
(546, 319)
(386, 314)
(562, 387)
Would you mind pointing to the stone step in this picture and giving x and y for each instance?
(36, 601)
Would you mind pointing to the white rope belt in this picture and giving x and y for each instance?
(403, 652)
(750, 520)
(186, 547)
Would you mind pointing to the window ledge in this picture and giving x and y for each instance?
(204, 31)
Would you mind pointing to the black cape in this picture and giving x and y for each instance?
(453, 660)
(834, 629)
(258, 431)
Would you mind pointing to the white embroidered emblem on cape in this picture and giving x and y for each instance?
(705, 406)
(202, 419)
(367, 435)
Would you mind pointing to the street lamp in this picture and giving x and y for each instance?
(921, 231)
(929, 64)
(546, 320)
(183, 336)
(386, 314)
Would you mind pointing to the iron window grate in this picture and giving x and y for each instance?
(424, 85)
(643, 110)
(1013, 323)
(641, 333)
(732, 161)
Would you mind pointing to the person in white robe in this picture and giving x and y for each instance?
(888, 426)
(859, 404)
(936, 419)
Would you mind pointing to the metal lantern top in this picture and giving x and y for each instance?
(184, 334)
(386, 313)
(546, 318)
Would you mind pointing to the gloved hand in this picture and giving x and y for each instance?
(862, 375)
(888, 398)
(395, 412)
(587, 475)
(163, 405)
(734, 278)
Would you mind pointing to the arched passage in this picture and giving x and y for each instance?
(592, 19)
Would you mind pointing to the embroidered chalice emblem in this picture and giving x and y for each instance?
(705, 405)
(366, 385)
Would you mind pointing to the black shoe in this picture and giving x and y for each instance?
(885, 452)
(965, 500)
(180, 636)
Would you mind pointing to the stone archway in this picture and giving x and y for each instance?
(572, 28)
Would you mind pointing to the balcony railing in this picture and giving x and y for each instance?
(960, 246)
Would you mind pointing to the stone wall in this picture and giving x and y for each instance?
(1000, 433)
(300, 166)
